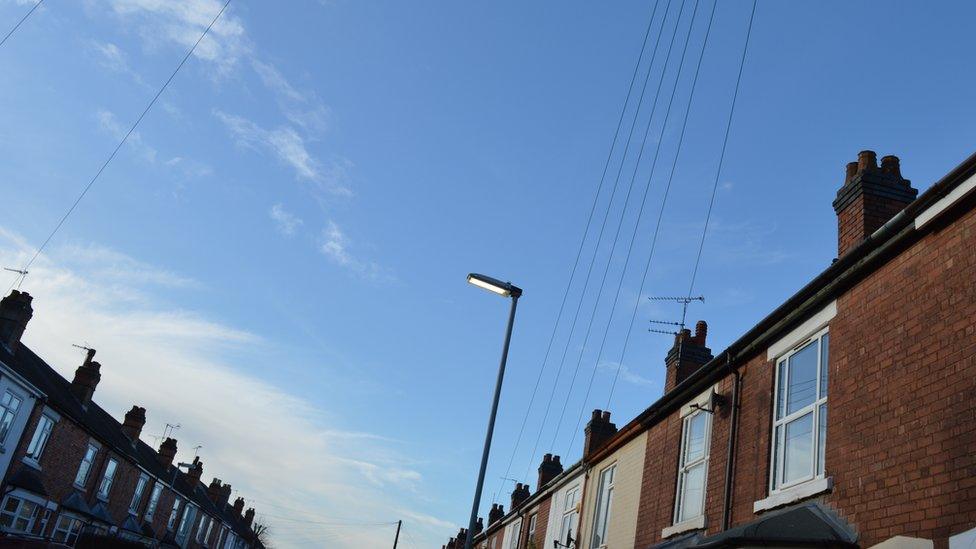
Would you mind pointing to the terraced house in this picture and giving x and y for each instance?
(76, 476)
(844, 418)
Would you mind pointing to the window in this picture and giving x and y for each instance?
(153, 500)
(9, 405)
(604, 497)
(86, 462)
(137, 495)
(173, 514)
(516, 534)
(18, 514)
(67, 529)
(530, 534)
(570, 515)
(39, 440)
(206, 536)
(107, 478)
(693, 467)
(204, 524)
(800, 422)
(189, 513)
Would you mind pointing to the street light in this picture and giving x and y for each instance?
(506, 289)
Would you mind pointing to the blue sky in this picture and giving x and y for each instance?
(276, 260)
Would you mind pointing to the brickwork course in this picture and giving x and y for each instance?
(899, 305)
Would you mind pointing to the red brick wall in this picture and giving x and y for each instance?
(542, 522)
(901, 411)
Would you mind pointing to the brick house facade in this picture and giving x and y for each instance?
(79, 477)
(844, 418)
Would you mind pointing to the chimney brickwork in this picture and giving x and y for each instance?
(549, 469)
(496, 513)
(86, 379)
(688, 354)
(520, 494)
(598, 431)
(135, 420)
(15, 313)
(870, 197)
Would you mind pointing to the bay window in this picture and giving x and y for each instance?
(67, 529)
(800, 414)
(18, 515)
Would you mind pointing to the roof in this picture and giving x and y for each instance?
(843, 273)
(101, 425)
(807, 525)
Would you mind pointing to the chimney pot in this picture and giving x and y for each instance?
(135, 420)
(496, 513)
(479, 526)
(891, 165)
(520, 494)
(851, 172)
(15, 313)
(866, 161)
(549, 469)
(249, 517)
(238, 506)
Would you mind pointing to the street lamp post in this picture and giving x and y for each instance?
(505, 289)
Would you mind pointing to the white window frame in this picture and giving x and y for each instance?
(137, 494)
(186, 523)
(570, 514)
(530, 532)
(108, 478)
(70, 530)
(777, 481)
(42, 433)
(84, 468)
(9, 406)
(515, 529)
(684, 466)
(154, 495)
(17, 513)
(604, 505)
(174, 514)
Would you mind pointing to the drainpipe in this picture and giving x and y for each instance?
(733, 431)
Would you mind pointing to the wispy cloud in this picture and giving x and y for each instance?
(335, 246)
(286, 223)
(626, 374)
(278, 450)
(108, 123)
(289, 147)
(302, 108)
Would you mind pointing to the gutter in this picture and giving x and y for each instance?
(838, 277)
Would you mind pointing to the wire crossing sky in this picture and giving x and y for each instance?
(275, 259)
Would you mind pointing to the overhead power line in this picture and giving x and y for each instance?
(623, 351)
(20, 22)
(725, 143)
(122, 141)
(579, 252)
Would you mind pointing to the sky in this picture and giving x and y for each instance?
(276, 259)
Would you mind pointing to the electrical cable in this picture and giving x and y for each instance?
(667, 190)
(725, 143)
(19, 23)
(596, 248)
(119, 145)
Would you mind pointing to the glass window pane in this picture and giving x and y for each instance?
(802, 390)
(693, 492)
(824, 361)
(821, 438)
(798, 458)
(781, 395)
(695, 448)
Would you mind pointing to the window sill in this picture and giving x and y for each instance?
(696, 523)
(31, 463)
(794, 494)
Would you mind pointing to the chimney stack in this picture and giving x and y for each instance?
(214, 490)
(167, 452)
(238, 507)
(479, 526)
(195, 471)
(249, 517)
(870, 197)
(135, 420)
(462, 536)
(496, 513)
(598, 431)
(549, 469)
(688, 354)
(15, 313)
(520, 494)
(225, 492)
(86, 379)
